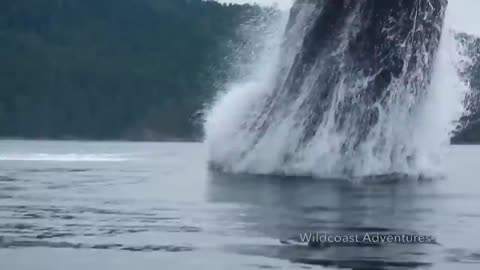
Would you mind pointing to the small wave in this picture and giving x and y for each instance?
(71, 157)
(12, 243)
(56, 170)
(361, 263)
(463, 256)
(6, 179)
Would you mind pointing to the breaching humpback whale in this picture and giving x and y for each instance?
(351, 76)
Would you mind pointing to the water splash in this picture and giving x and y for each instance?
(344, 91)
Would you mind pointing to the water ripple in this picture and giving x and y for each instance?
(5, 242)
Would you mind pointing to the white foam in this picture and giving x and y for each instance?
(423, 135)
(70, 157)
(282, 4)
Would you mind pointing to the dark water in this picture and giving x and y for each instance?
(70, 205)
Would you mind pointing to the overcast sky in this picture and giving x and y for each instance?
(465, 15)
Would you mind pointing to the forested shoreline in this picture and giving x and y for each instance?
(103, 69)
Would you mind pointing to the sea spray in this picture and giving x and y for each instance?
(353, 88)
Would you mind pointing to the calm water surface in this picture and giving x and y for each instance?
(78, 205)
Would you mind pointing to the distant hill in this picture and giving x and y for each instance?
(111, 69)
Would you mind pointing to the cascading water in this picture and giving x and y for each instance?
(345, 88)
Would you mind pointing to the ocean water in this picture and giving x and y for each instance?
(101, 205)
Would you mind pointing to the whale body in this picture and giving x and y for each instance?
(351, 77)
(386, 45)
